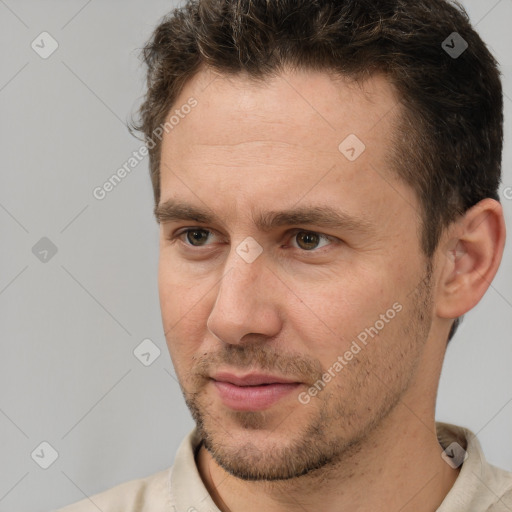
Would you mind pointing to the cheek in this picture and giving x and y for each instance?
(185, 306)
(178, 292)
(360, 319)
(347, 303)
(366, 372)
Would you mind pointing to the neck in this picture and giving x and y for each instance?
(397, 467)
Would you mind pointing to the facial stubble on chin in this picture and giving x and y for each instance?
(313, 446)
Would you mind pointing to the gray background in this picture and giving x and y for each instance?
(68, 375)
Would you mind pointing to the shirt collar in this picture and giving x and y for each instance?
(187, 487)
(479, 484)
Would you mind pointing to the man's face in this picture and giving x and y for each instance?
(304, 267)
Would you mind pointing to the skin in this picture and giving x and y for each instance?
(367, 441)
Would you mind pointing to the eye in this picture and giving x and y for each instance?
(301, 239)
(195, 237)
(310, 240)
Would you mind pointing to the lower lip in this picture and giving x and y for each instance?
(253, 398)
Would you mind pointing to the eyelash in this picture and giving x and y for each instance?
(182, 233)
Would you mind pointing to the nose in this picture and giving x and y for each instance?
(247, 301)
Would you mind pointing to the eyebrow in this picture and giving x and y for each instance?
(325, 216)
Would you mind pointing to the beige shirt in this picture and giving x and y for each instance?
(480, 487)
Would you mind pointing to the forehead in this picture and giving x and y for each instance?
(303, 107)
(299, 137)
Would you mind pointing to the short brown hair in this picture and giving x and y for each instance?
(449, 142)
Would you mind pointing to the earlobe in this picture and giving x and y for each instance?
(471, 258)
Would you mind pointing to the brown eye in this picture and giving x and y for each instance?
(309, 240)
(196, 237)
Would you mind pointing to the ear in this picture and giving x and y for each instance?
(470, 258)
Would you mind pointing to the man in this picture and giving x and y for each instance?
(325, 176)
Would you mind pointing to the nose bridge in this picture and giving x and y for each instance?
(246, 269)
(245, 302)
(238, 289)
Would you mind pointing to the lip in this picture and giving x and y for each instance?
(252, 392)
(251, 379)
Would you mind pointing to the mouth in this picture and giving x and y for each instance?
(252, 392)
